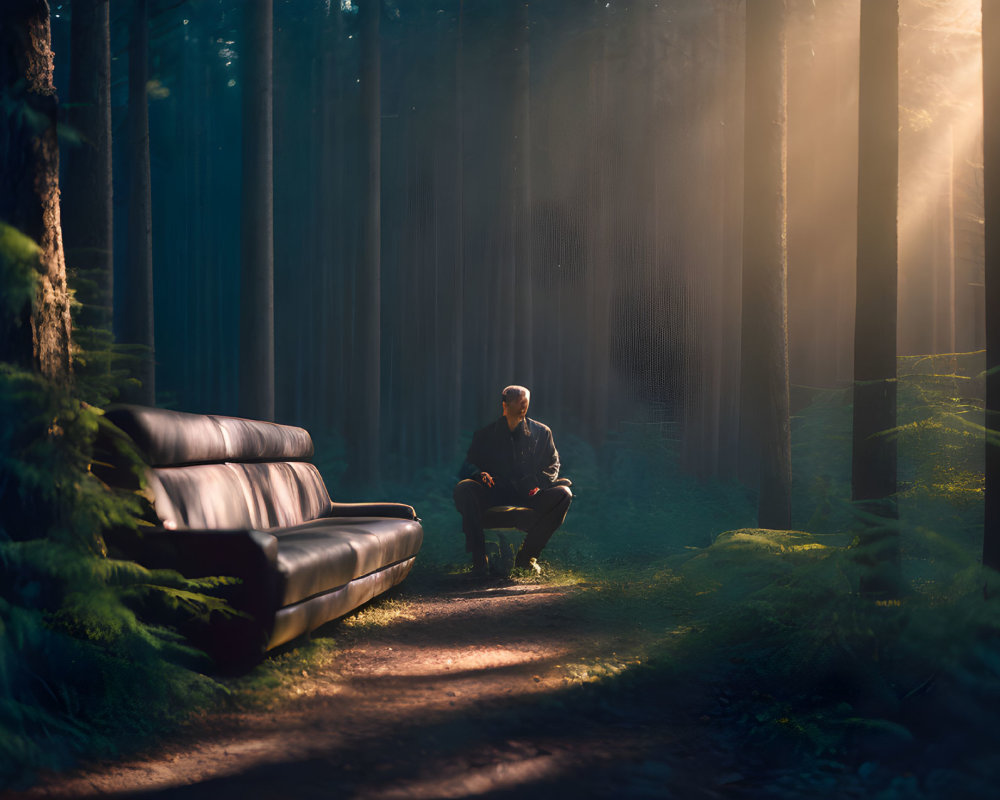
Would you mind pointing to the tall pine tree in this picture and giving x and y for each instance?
(257, 216)
(87, 189)
(137, 317)
(765, 437)
(367, 435)
(873, 481)
(34, 314)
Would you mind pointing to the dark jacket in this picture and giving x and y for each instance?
(518, 460)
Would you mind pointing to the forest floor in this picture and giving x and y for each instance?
(455, 688)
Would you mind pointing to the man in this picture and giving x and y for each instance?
(514, 462)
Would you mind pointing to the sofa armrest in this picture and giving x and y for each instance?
(200, 553)
(395, 510)
(248, 555)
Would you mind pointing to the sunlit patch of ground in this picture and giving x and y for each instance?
(414, 687)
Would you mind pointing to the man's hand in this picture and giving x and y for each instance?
(486, 478)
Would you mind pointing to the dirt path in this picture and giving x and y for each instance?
(472, 690)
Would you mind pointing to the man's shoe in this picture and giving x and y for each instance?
(531, 564)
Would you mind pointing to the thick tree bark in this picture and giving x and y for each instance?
(991, 163)
(874, 455)
(368, 403)
(257, 217)
(38, 334)
(765, 440)
(137, 319)
(87, 190)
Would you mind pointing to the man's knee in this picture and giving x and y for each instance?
(466, 491)
(562, 497)
(566, 492)
(554, 505)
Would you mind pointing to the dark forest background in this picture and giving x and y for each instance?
(561, 206)
(445, 198)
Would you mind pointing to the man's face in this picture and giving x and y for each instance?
(516, 410)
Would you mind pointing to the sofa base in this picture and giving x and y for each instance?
(294, 620)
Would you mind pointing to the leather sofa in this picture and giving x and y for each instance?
(238, 497)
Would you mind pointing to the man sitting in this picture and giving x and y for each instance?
(512, 461)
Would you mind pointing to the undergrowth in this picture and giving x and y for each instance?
(79, 673)
(777, 648)
(784, 657)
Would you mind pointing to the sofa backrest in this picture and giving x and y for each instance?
(224, 472)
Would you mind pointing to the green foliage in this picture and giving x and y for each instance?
(941, 454)
(939, 433)
(79, 671)
(798, 661)
(103, 368)
(18, 271)
(821, 463)
(799, 658)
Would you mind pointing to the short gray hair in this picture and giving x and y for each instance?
(515, 392)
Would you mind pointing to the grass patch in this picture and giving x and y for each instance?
(378, 614)
(284, 675)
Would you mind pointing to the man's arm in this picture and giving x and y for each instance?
(474, 460)
(549, 459)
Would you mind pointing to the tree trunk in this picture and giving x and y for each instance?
(87, 192)
(137, 319)
(32, 334)
(332, 283)
(991, 162)
(257, 218)
(873, 481)
(521, 217)
(765, 441)
(366, 449)
(458, 287)
(344, 302)
(604, 167)
(732, 225)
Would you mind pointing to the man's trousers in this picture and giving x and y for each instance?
(549, 507)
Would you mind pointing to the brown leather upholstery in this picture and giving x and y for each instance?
(291, 620)
(174, 438)
(237, 497)
(322, 553)
(233, 495)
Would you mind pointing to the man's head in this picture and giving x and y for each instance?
(515, 400)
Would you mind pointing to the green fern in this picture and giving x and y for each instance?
(79, 668)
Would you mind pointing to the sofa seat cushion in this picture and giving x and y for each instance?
(323, 554)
